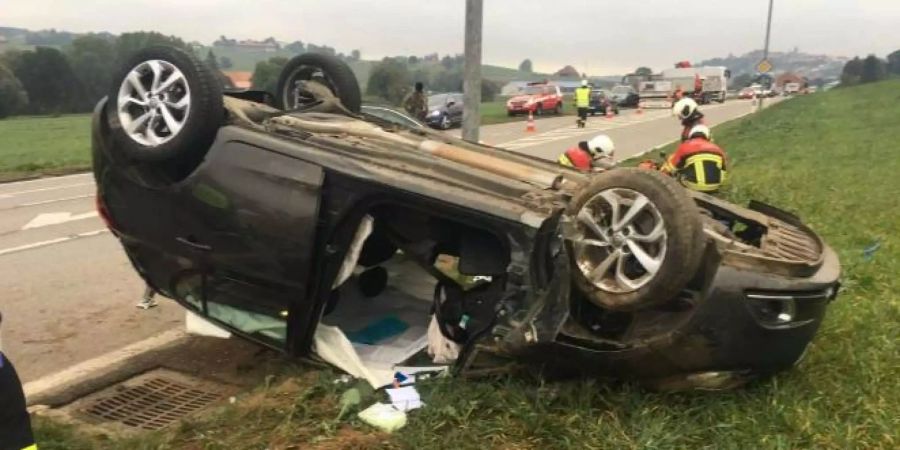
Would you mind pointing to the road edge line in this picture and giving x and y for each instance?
(104, 362)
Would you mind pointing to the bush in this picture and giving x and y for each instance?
(489, 90)
(12, 95)
(389, 80)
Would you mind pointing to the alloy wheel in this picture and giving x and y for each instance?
(154, 102)
(623, 240)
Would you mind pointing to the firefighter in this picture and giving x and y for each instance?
(698, 164)
(597, 153)
(582, 102)
(689, 113)
(15, 424)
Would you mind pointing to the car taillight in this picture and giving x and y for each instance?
(104, 213)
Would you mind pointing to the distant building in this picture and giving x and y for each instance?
(241, 79)
(513, 88)
(250, 45)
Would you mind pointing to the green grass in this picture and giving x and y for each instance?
(495, 112)
(31, 146)
(837, 169)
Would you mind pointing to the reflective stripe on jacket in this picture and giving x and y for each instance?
(577, 158)
(582, 97)
(698, 164)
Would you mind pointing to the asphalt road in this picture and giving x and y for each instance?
(68, 292)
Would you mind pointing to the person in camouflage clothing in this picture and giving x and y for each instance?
(416, 103)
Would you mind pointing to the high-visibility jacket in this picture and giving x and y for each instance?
(576, 157)
(15, 424)
(582, 97)
(699, 165)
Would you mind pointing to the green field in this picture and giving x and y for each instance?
(495, 112)
(32, 146)
(836, 170)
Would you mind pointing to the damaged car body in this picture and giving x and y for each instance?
(269, 220)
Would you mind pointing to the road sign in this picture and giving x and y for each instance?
(764, 66)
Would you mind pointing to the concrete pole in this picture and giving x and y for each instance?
(472, 71)
(766, 47)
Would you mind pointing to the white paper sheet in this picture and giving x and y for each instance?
(405, 398)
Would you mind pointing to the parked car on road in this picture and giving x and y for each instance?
(747, 93)
(601, 99)
(266, 219)
(536, 98)
(625, 96)
(444, 110)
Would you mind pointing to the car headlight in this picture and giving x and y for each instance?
(435, 113)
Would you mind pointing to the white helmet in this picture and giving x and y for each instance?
(584, 82)
(601, 146)
(699, 131)
(684, 108)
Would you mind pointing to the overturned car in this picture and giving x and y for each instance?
(280, 219)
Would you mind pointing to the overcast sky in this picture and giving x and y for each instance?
(597, 36)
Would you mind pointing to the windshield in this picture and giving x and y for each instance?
(533, 90)
(437, 100)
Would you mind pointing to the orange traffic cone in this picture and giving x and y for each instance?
(640, 109)
(529, 126)
(609, 112)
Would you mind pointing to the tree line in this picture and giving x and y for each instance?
(870, 69)
(48, 80)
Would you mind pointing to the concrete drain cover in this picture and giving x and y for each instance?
(153, 400)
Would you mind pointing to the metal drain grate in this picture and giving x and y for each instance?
(152, 403)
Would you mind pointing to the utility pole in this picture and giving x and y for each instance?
(766, 47)
(472, 71)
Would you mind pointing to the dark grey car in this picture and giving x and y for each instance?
(254, 216)
(444, 110)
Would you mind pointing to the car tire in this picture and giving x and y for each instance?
(558, 109)
(445, 122)
(645, 261)
(539, 110)
(165, 106)
(327, 69)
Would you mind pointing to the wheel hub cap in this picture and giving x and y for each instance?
(623, 240)
(154, 102)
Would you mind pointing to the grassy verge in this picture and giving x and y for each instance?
(809, 155)
(495, 112)
(31, 146)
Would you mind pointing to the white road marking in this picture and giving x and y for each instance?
(52, 188)
(46, 179)
(48, 219)
(60, 240)
(47, 202)
(99, 364)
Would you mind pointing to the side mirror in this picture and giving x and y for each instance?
(451, 103)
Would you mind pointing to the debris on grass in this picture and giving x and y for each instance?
(384, 417)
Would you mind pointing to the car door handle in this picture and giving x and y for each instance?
(190, 242)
